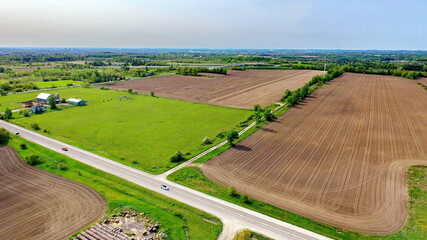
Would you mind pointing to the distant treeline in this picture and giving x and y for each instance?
(194, 71)
(392, 72)
(16, 87)
(409, 71)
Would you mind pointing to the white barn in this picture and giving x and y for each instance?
(43, 97)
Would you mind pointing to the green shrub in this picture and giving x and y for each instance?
(221, 134)
(232, 192)
(33, 159)
(257, 108)
(269, 116)
(286, 95)
(25, 112)
(246, 199)
(206, 141)
(177, 157)
(4, 136)
(61, 166)
(23, 146)
(7, 114)
(231, 136)
(35, 126)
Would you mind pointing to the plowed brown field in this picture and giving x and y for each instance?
(240, 89)
(340, 157)
(423, 81)
(38, 205)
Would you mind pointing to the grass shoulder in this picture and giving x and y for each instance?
(246, 234)
(416, 227)
(179, 221)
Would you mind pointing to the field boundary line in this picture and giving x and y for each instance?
(190, 161)
(257, 86)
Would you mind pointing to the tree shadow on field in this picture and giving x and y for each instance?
(268, 130)
(242, 148)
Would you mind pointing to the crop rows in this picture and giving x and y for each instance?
(340, 157)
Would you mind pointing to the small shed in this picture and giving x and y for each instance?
(43, 97)
(77, 102)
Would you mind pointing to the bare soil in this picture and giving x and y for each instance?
(39, 205)
(340, 157)
(423, 81)
(239, 89)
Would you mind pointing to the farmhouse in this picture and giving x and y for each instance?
(43, 97)
(37, 109)
(77, 102)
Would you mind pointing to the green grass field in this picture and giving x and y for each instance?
(137, 130)
(54, 84)
(13, 101)
(415, 229)
(179, 221)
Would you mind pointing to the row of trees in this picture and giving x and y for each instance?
(294, 97)
(16, 87)
(95, 76)
(194, 71)
(392, 72)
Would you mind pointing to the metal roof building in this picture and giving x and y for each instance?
(77, 102)
(43, 97)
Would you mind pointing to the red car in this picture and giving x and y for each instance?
(64, 149)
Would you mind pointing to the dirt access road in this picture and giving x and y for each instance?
(340, 157)
(35, 204)
(239, 89)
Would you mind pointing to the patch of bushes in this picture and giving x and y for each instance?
(206, 141)
(177, 157)
(257, 108)
(4, 136)
(33, 159)
(60, 166)
(6, 115)
(232, 192)
(25, 112)
(35, 126)
(231, 136)
(221, 134)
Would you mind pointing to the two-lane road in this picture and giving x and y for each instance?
(229, 213)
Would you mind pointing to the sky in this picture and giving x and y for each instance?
(258, 24)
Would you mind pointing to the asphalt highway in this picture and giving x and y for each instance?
(234, 217)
